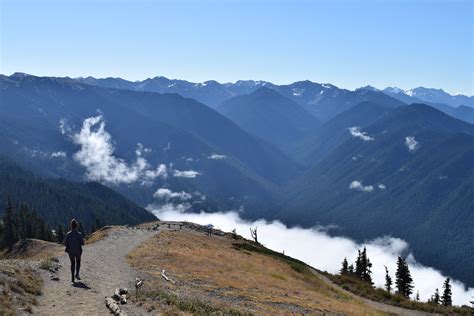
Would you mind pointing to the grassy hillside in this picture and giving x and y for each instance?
(233, 275)
(220, 274)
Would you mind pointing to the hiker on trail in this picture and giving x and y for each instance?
(74, 243)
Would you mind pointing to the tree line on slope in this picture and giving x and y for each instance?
(361, 270)
(23, 222)
(57, 201)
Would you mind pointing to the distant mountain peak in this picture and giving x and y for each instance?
(249, 83)
(20, 75)
(394, 90)
(368, 88)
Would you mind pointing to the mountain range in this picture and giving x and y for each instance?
(370, 162)
(437, 96)
(323, 100)
(406, 174)
(42, 116)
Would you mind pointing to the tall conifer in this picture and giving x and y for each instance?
(446, 299)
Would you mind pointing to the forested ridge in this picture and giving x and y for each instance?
(57, 201)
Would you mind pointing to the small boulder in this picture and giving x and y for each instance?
(123, 290)
(116, 295)
(53, 278)
(123, 299)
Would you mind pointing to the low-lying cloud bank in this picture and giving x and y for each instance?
(317, 248)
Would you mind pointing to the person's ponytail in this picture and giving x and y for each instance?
(74, 224)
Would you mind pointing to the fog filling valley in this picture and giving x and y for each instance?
(324, 252)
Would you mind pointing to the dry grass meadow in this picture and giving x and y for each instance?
(233, 276)
(99, 234)
(19, 287)
(33, 249)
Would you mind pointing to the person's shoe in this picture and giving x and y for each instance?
(77, 277)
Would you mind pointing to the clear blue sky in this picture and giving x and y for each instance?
(405, 43)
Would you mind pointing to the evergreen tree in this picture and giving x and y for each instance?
(45, 232)
(60, 234)
(30, 230)
(9, 235)
(345, 267)
(363, 266)
(358, 265)
(23, 224)
(81, 230)
(446, 299)
(388, 280)
(366, 267)
(435, 298)
(350, 269)
(96, 226)
(403, 278)
(417, 297)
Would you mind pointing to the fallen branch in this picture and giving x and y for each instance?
(163, 274)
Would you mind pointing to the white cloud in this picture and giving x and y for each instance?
(357, 185)
(411, 143)
(169, 208)
(382, 186)
(200, 196)
(217, 157)
(167, 194)
(58, 154)
(357, 133)
(317, 248)
(185, 173)
(160, 172)
(96, 154)
(37, 153)
(64, 127)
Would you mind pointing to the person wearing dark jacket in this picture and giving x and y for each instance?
(74, 243)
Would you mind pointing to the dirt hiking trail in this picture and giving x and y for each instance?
(104, 268)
